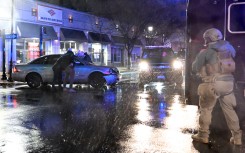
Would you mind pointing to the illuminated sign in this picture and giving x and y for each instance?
(48, 14)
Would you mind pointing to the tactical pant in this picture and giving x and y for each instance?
(208, 95)
(69, 75)
(57, 78)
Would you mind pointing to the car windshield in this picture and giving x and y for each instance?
(158, 54)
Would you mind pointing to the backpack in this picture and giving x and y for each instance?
(226, 64)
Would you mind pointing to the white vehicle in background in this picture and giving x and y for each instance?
(39, 72)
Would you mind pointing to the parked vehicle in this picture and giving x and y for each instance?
(160, 63)
(39, 72)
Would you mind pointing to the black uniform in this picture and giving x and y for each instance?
(61, 65)
(87, 58)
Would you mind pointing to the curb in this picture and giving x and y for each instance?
(5, 82)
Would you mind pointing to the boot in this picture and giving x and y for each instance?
(201, 136)
(236, 138)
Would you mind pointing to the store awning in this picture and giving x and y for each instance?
(72, 35)
(97, 37)
(29, 30)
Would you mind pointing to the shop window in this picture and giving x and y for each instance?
(33, 50)
(27, 49)
(96, 57)
(116, 55)
(67, 45)
(94, 54)
(62, 45)
(133, 57)
(90, 50)
(73, 45)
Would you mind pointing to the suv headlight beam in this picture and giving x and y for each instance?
(143, 66)
(177, 64)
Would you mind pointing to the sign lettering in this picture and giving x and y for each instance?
(48, 14)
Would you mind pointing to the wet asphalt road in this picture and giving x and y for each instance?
(126, 119)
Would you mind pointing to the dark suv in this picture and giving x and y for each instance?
(160, 64)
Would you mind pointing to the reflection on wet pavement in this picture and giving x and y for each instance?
(161, 124)
(125, 119)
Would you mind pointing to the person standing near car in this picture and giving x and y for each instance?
(83, 57)
(87, 58)
(215, 66)
(60, 65)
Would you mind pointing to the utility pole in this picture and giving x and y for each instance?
(4, 77)
(11, 52)
(41, 41)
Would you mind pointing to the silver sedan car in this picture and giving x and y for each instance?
(39, 72)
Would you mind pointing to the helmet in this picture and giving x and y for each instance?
(80, 53)
(69, 51)
(212, 35)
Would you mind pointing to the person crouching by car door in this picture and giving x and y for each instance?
(59, 66)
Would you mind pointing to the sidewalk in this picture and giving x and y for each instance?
(6, 82)
(125, 69)
(127, 75)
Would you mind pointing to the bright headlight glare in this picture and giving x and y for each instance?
(143, 66)
(177, 64)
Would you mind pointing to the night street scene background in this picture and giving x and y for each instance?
(131, 116)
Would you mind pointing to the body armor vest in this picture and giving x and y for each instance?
(224, 65)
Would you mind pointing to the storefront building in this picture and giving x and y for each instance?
(44, 29)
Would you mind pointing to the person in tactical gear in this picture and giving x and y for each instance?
(215, 65)
(87, 58)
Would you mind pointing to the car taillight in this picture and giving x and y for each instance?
(15, 69)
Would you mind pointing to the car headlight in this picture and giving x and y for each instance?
(177, 64)
(143, 66)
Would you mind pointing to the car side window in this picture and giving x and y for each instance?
(77, 62)
(51, 60)
(39, 61)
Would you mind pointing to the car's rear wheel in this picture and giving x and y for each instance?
(34, 80)
(97, 80)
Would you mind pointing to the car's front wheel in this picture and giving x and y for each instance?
(97, 80)
(34, 80)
